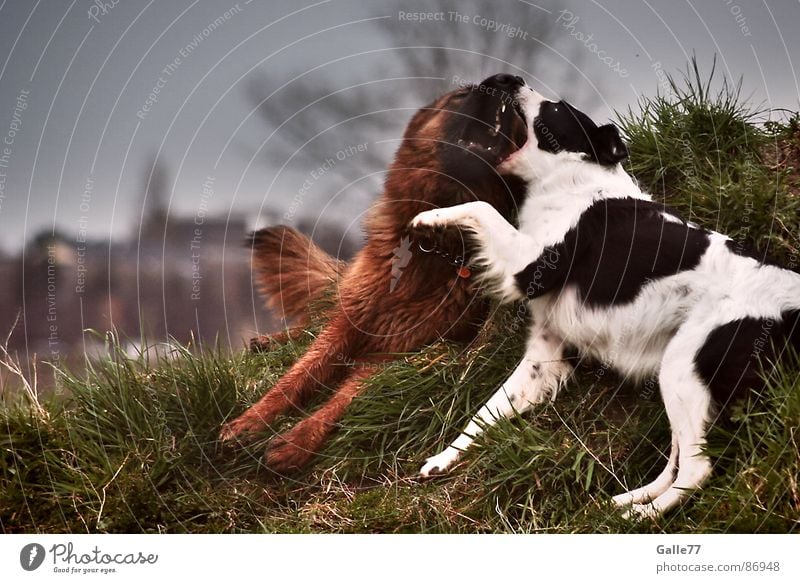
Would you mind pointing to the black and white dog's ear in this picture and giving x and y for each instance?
(608, 145)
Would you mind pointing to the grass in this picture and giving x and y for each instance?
(704, 152)
(129, 445)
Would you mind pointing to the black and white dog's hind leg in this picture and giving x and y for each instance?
(689, 406)
(502, 249)
(536, 379)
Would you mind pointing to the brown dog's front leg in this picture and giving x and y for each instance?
(297, 446)
(319, 365)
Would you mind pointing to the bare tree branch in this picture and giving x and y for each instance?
(474, 39)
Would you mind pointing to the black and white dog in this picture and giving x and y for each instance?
(614, 274)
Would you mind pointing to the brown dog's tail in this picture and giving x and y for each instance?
(291, 271)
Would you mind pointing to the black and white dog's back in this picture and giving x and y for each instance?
(626, 281)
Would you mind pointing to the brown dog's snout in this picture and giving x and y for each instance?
(504, 81)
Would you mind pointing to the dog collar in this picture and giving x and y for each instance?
(462, 269)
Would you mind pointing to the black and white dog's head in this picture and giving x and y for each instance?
(557, 132)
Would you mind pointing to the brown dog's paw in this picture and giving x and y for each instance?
(267, 342)
(260, 344)
(286, 453)
(244, 427)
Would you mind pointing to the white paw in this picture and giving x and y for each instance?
(642, 512)
(440, 463)
(622, 500)
(647, 493)
(626, 499)
(430, 218)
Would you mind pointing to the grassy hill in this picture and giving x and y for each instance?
(133, 448)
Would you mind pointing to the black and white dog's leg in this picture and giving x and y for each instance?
(535, 379)
(502, 249)
(688, 403)
(655, 488)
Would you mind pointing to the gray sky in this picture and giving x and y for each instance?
(74, 86)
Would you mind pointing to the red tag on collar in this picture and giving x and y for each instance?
(463, 272)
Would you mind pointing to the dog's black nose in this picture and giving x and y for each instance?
(505, 81)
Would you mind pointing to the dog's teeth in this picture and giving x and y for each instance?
(496, 129)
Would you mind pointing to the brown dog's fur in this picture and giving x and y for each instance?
(429, 300)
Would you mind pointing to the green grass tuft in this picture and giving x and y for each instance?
(703, 152)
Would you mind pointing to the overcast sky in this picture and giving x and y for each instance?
(79, 126)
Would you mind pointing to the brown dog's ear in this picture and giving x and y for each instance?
(608, 145)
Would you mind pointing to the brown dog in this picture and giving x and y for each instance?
(396, 295)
